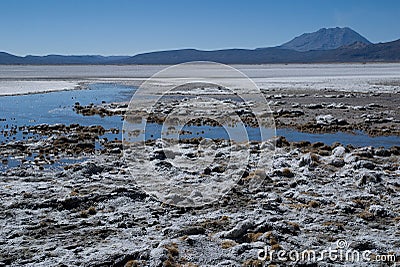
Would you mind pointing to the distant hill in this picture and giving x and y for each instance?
(227, 56)
(382, 52)
(56, 59)
(360, 50)
(325, 39)
(6, 58)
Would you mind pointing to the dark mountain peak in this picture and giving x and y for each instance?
(325, 39)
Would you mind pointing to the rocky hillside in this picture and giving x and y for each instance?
(325, 39)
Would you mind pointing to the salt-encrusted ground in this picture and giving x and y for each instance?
(346, 77)
(93, 214)
(18, 87)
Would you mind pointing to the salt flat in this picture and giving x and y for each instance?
(347, 77)
(18, 87)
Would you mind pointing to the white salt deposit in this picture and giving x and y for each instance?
(27, 87)
(375, 77)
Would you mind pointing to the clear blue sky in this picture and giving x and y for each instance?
(127, 27)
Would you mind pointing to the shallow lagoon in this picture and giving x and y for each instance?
(57, 108)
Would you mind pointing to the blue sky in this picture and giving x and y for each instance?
(127, 27)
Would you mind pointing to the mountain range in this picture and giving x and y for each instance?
(325, 45)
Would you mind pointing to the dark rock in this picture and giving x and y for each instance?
(192, 230)
(367, 177)
(381, 152)
(364, 164)
(314, 106)
(362, 245)
(91, 169)
(281, 142)
(218, 169)
(337, 162)
(158, 154)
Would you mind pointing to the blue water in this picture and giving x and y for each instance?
(154, 131)
(359, 139)
(57, 107)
